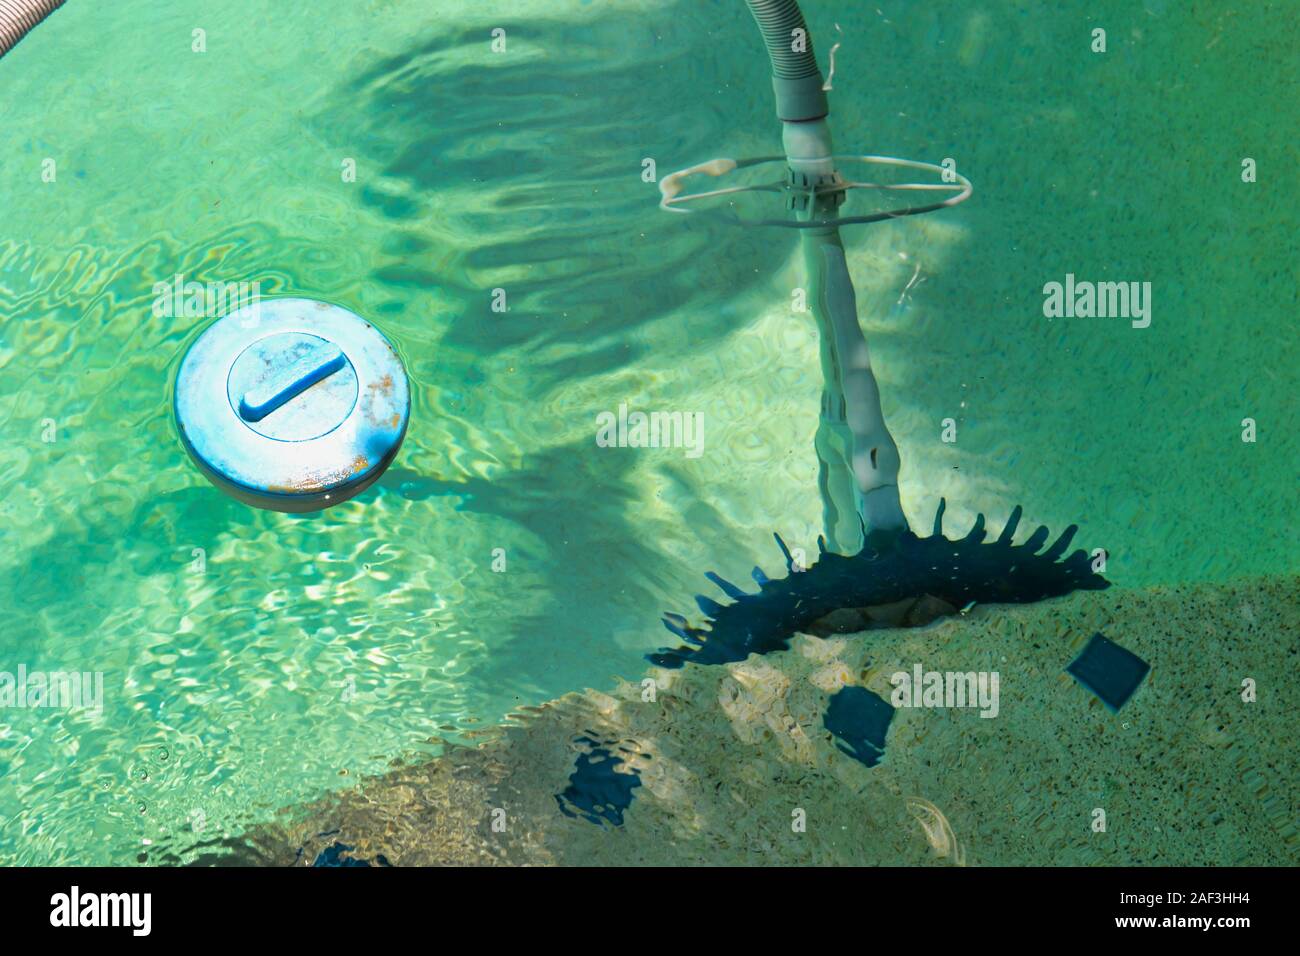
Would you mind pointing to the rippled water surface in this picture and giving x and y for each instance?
(302, 652)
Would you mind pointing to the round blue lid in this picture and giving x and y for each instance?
(292, 404)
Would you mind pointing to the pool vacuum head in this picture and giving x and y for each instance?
(292, 404)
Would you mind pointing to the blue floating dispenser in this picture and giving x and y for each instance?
(292, 404)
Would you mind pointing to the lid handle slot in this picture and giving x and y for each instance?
(266, 397)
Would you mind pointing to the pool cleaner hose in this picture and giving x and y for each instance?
(858, 458)
(17, 17)
(795, 77)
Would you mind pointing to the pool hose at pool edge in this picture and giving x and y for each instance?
(17, 17)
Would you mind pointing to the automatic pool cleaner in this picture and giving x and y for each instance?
(869, 557)
(858, 457)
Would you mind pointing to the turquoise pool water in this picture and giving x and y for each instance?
(293, 654)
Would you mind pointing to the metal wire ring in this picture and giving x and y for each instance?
(671, 185)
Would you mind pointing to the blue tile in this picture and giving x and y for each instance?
(598, 791)
(334, 856)
(860, 721)
(1111, 672)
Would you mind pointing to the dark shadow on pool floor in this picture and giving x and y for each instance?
(956, 572)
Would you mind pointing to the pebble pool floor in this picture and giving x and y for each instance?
(255, 661)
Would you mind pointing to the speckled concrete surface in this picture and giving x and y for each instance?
(1186, 773)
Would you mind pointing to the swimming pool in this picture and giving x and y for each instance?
(255, 660)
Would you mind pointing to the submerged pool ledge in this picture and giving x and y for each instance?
(734, 764)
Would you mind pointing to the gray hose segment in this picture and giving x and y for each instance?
(17, 17)
(795, 77)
